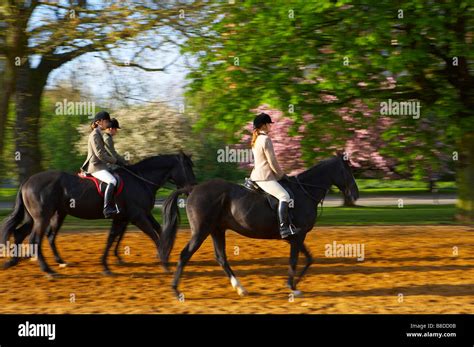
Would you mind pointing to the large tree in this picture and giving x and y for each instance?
(291, 54)
(38, 37)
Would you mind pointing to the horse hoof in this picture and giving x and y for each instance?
(121, 262)
(62, 265)
(166, 268)
(179, 296)
(108, 273)
(51, 275)
(297, 293)
(241, 291)
(9, 264)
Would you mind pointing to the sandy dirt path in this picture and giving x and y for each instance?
(405, 270)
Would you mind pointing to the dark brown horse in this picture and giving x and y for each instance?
(44, 200)
(217, 205)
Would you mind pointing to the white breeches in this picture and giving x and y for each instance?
(275, 189)
(105, 176)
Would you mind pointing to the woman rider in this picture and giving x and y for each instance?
(267, 171)
(97, 160)
(108, 135)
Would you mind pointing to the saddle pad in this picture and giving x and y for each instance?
(100, 186)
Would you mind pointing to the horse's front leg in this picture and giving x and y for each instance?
(118, 227)
(295, 245)
(309, 262)
(158, 230)
(118, 239)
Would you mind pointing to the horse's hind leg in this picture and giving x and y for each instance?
(56, 223)
(218, 237)
(39, 229)
(19, 235)
(197, 238)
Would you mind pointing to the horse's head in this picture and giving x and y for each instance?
(344, 179)
(182, 173)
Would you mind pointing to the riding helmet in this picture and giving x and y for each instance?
(114, 124)
(101, 115)
(261, 119)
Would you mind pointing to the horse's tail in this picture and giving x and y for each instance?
(14, 219)
(170, 224)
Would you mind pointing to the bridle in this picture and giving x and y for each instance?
(301, 185)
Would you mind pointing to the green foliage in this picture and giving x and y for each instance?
(58, 135)
(290, 54)
(206, 164)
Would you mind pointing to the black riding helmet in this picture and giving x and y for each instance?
(114, 124)
(261, 119)
(101, 115)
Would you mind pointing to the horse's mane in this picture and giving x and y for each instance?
(318, 166)
(161, 160)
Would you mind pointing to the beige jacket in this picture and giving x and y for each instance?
(266, 167)
(97, 155)
(110, 148)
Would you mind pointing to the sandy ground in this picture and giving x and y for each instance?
(405, 270)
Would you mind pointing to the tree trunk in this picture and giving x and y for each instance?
(29, 88)
(7, 83)
(348, 202)
(465, 180)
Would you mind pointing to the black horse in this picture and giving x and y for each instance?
(44, 200)
(217, 205)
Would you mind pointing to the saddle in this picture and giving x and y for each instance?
(272, 201)
(100, 186)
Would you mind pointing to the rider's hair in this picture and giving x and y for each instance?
(255, 134)
(94, 125)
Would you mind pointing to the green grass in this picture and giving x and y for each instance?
(370, 187)
(395, 187)
(377, 215)
(389, 215)
(364, 183)
(8, 194)
(398, 191)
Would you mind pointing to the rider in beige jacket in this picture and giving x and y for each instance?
(267, 172)
(97, 160)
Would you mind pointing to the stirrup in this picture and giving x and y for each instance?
(294, 229)
(109, 214)
(287, 232)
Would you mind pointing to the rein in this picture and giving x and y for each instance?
(139, 177)
(301, 185)
(153, 183)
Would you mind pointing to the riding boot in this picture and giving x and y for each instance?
(286, 229)
(109, 203)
